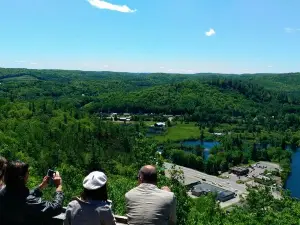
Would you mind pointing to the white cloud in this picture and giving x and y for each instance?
(106, 5)
(291, 30)
(211, 32)
(33, 63)
(169, 70)
(105, 66)
(270, 66)
(162, 67)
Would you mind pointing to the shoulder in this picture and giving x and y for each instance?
(2, 191)
(131, 192)
(73, 204)
(105, 207)
(166, 195)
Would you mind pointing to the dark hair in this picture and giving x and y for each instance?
(15, 174)
(3, 163)
(99, 194)
(148, 174)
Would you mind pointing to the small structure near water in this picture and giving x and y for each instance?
(240, 171)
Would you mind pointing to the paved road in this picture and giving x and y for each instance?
(192, 176)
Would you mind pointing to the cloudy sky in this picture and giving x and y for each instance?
(175, 36)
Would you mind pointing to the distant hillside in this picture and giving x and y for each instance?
(284, 82)
(169, 93)
(191, 97)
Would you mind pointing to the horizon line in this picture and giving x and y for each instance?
(111, 71)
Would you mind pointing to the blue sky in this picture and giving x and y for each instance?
(182, 36)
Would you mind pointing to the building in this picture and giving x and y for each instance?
(240, 171)
(124, 119)
(201, 189)
(204, 188)
(225, 196)
(160, 124)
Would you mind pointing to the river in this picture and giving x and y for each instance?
(293, 181)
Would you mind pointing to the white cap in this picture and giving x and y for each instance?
(94, 180)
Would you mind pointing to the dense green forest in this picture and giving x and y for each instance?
(58, 119)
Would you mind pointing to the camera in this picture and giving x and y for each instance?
(50, 173)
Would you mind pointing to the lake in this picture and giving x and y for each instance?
(293, 181)
(206, 144)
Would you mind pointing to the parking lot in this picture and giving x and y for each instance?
(255, 170)
(192, 176)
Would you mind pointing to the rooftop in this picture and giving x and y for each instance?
(240, 169)
(160, 124)
(208, 188)
(222, 194)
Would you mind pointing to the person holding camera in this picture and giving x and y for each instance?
(3, 163)
(19, 206)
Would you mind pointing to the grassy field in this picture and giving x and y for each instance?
(179, 132)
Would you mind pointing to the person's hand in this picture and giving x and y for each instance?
(57, 181)
(165, 188)
(44, 183)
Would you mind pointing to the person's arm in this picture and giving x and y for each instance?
(37, 192)
(173, 217)
(55, 207)
(47, 209)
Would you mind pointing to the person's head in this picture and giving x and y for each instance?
(94, 187)
(3, 163)
(147, 174)
(16, 174)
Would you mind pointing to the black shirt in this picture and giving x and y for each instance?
(24, 207)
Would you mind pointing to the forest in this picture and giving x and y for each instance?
(58, 119)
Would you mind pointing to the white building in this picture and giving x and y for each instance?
(160, 124)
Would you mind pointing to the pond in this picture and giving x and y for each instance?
(206, 144)
(152, 131)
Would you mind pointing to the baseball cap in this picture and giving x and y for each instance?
(94, 180)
